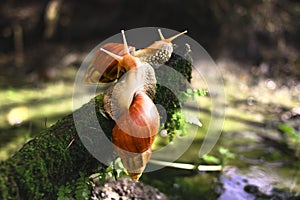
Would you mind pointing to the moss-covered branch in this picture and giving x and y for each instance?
(48, 161)
(57, 156)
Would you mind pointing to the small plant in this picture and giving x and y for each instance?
(287, 129)
(64, 192)
(177, 124)
(211, 159)
(191, 93)
(80, 189)
(295, 136)
(115, 169)
(225, 156)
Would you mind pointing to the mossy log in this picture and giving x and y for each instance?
(57, 156)
(48, 160)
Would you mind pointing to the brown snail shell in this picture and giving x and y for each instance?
(134, 163)
(104, 68)
(134, 133)
(136, 129)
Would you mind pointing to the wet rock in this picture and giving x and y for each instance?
(276, 193)
(125, 189)
(252, 189)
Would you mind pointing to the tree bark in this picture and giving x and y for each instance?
(57, 156)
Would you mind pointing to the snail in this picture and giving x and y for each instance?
(129, 103)
(105, 69)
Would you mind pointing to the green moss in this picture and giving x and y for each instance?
(47, 162)
(169, 99)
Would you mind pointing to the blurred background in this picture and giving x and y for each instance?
(255, 43)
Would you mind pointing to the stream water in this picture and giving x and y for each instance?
(266, 160)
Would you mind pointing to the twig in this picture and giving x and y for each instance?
(187, 166)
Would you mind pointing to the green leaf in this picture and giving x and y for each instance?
(211, 159)
(226, 153)
(289, 130)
